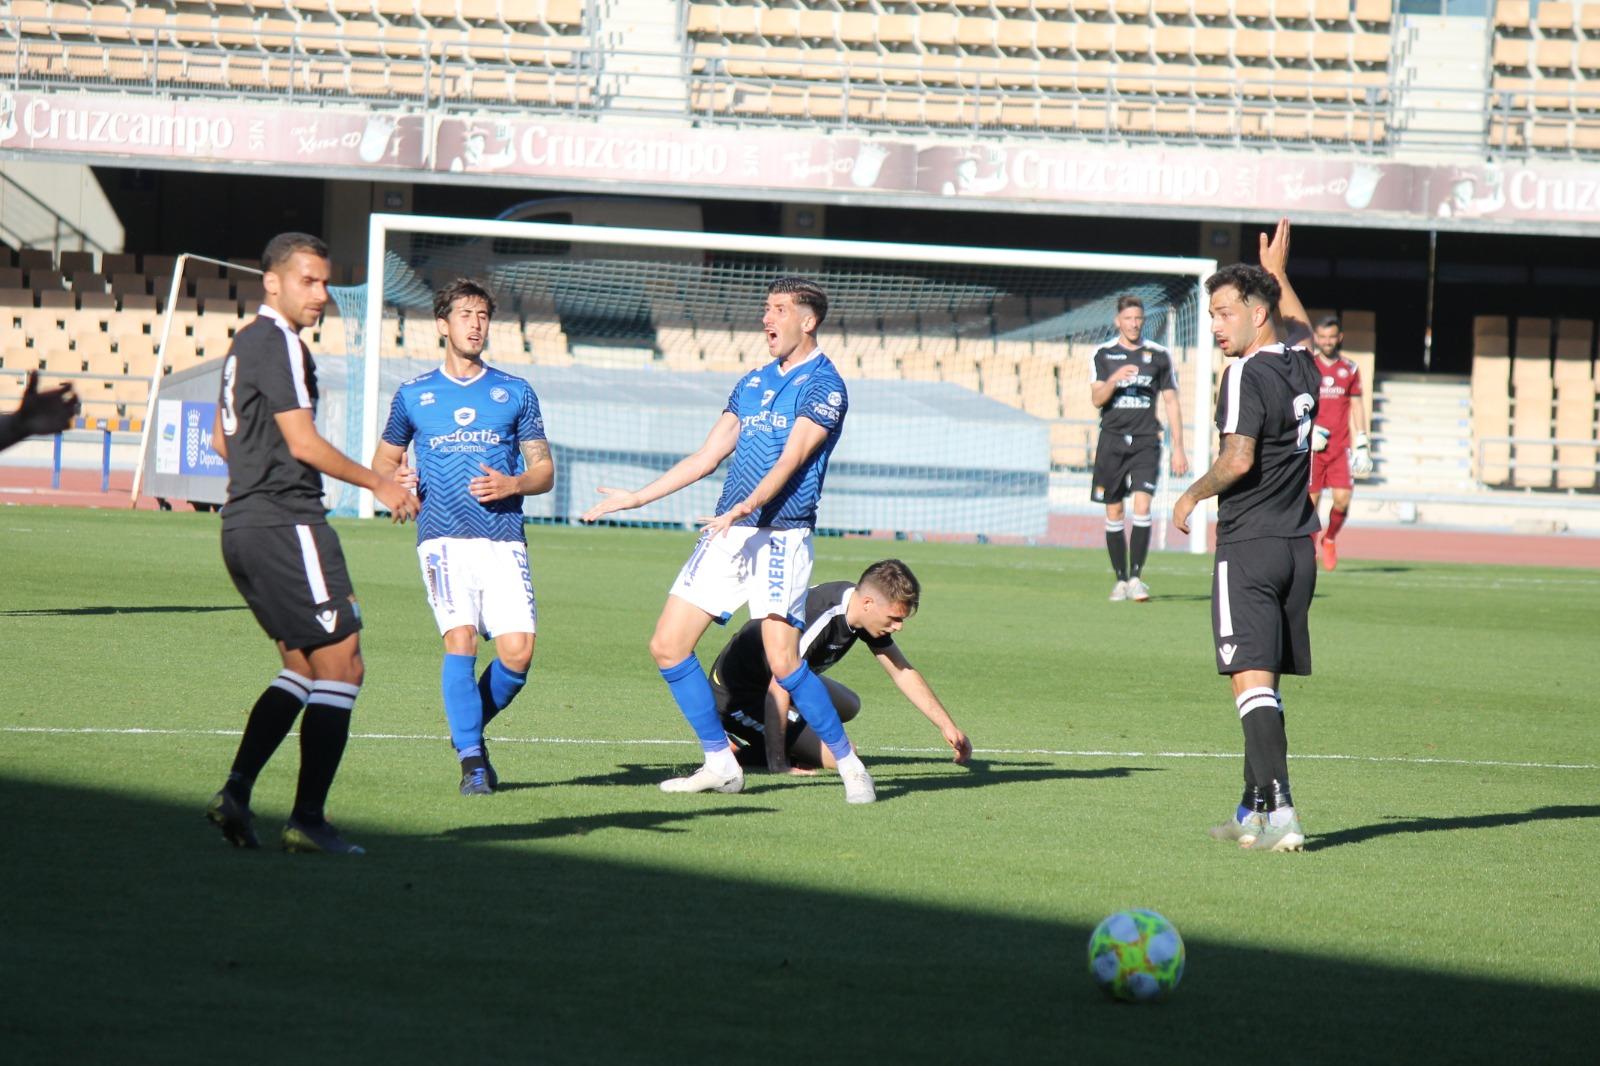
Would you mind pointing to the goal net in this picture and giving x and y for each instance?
(968, 368)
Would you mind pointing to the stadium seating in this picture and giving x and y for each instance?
(491, 52)
(1195, 71)
(1534, 422)
(1545, 85)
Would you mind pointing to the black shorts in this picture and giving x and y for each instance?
(1124, 464)
(1260, 602)
(745, 721)
(295, 582)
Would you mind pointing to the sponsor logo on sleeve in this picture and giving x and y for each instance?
(835, 399)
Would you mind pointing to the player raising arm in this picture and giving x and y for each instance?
(756, 710)
(780, 424)
(1265, 571)
(284, 558)
(470, 425)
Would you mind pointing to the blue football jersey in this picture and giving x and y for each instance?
(767, 404)
(457, 425)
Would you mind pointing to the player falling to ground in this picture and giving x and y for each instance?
(1126, 376)
(1265, 570)
(470, 425)
(283, 556)
(1339, 445)
(781, 424)
(755, 710)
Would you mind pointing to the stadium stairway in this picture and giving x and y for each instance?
(1422, 434)
(642, 70)
(1442, 75)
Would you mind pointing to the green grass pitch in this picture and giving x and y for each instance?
(1444, 755)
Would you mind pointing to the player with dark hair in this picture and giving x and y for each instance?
(1339, 444)
(284, 558)
(470, 425)
(1265, 571)
(38, 413)
(780, 424)
(756, 712)
(1126, 375)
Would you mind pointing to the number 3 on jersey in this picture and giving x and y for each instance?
(1303, 404)
(230, 377)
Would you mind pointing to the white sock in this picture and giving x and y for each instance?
(851, 762)
(1282, 816)
(722, 763)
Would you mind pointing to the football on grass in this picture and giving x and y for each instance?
(1136, 956)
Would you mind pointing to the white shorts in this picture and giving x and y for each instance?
(479, 583)
(768, 569)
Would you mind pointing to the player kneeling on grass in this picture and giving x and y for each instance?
(470, 423)
(755, 709)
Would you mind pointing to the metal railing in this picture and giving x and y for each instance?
(41, 226)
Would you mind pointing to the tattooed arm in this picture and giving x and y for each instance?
(1238, 456)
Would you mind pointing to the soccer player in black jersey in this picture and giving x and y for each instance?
(1265, 570)
(284, 558)
(1126, 376)
(755, 711)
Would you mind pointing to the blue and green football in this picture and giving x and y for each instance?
(1136, 956)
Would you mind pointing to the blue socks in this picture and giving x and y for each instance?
(498, 685)
(695, 699)
(463, 709)
(810, 695)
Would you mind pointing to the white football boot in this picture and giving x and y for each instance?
(706, 779)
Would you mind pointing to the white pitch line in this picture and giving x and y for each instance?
(1065, 753)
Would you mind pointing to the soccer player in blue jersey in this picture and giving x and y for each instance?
(781, 424)
(469, 423)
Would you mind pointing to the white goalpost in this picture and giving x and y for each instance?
(962, 362)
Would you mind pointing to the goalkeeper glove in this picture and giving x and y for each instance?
(1361, 458)
(1319, 438)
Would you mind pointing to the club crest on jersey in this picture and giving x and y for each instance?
(465, 416)
(499, 395)
(1327, 382)
(1147, 356)
(425, 400)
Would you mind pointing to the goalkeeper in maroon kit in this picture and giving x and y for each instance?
(1334, 456)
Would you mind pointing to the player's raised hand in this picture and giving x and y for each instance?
(615, 500)
(397, 499)
(1275, 252)
(50, 411)
(493, 485)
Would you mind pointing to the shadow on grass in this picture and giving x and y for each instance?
(1361, 834)
(144, 939)
(936, 775)
(552, 828)
(84, 612)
